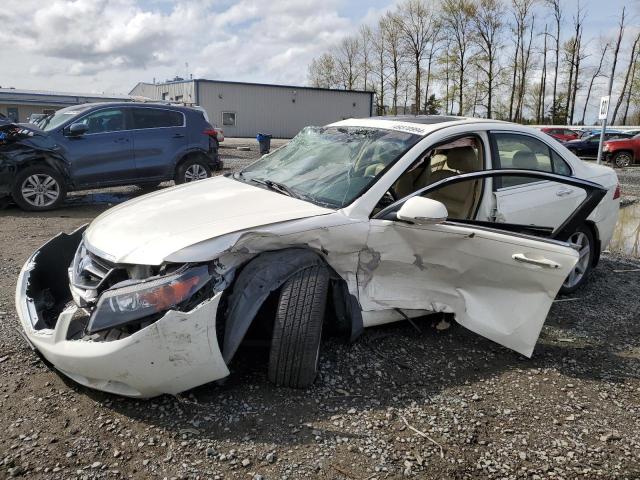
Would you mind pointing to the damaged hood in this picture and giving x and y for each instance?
(147, 229)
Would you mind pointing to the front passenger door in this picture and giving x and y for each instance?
(103, 155)
(498, 279)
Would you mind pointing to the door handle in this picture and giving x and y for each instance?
(563, 192)
(121, 140)
(540, 262)
(178, 135)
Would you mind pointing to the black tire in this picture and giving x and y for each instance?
(582, 232)
(622, 159)
(48, 177)
(297, 330)
(197, 163)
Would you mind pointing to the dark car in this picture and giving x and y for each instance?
(588, 146)
(102, 145)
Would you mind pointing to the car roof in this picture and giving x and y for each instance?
(132, 104)
(418, 124)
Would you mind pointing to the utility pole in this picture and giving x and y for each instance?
(604, 114)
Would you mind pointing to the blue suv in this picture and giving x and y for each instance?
(103, 145)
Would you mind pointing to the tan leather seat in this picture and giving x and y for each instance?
(459, 198)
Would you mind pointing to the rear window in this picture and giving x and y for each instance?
(155, 118)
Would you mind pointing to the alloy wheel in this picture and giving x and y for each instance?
(195, 172)
(580, 241)
(40, 190)
(623, 160)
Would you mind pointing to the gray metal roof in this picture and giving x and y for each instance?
(5, 92)
(251, 84)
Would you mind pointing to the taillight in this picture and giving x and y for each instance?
(618, 192)
(211, 132)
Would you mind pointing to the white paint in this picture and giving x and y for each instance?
(178, 352)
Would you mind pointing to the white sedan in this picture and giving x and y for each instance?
(351, 225)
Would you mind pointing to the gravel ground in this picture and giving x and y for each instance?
(439, 403)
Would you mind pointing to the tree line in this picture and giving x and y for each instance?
(525, 61)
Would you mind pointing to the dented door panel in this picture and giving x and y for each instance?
(467, 271)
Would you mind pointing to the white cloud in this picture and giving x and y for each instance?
(109, 45)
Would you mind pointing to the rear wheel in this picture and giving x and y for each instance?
(297, 331)
(38, 188)
(192, 169)
(584, 242)
(622, 159)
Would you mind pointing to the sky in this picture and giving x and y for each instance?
(107, 46)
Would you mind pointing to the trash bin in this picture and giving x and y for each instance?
(264, 140)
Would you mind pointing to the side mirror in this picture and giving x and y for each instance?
(422, 211)
(77, 129)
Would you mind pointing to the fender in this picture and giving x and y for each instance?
(265, 274)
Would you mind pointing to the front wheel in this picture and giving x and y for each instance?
(192, 170)
(38, 188)
(297, 330)
(622, 159)
(584, 243)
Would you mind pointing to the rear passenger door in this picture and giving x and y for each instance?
(159, 136)
(528, 201)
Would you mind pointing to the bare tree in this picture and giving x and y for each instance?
(347, 62)
(596, 73)
(626, 79)
(322, 71)
(380, 65)
(488, 28)
(573, 54)
(525, 23)
(366, 41)
(433, 50)
(457, 18)
(557, 15)
(542, 91)
(416, 23)
(393, 51)
(631, 88)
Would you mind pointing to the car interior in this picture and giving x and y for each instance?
(463, 155)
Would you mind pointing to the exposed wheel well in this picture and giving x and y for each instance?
(596, 236)
(261, 279)
(189, 156)
(624, 151)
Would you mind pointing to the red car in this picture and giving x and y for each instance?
(622, 152)
(561, 134)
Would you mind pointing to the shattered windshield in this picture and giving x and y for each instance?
(61, 116)
(329, 166)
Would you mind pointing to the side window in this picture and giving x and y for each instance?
(518, 151)
(103, 121)
(449, 159)
(559, 165)
(154, 118)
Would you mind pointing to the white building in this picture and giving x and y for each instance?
(18, 105)
(246, 109)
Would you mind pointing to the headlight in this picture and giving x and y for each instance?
(119, 306)
(605, 148)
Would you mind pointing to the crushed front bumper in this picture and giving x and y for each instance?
(177, 352)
